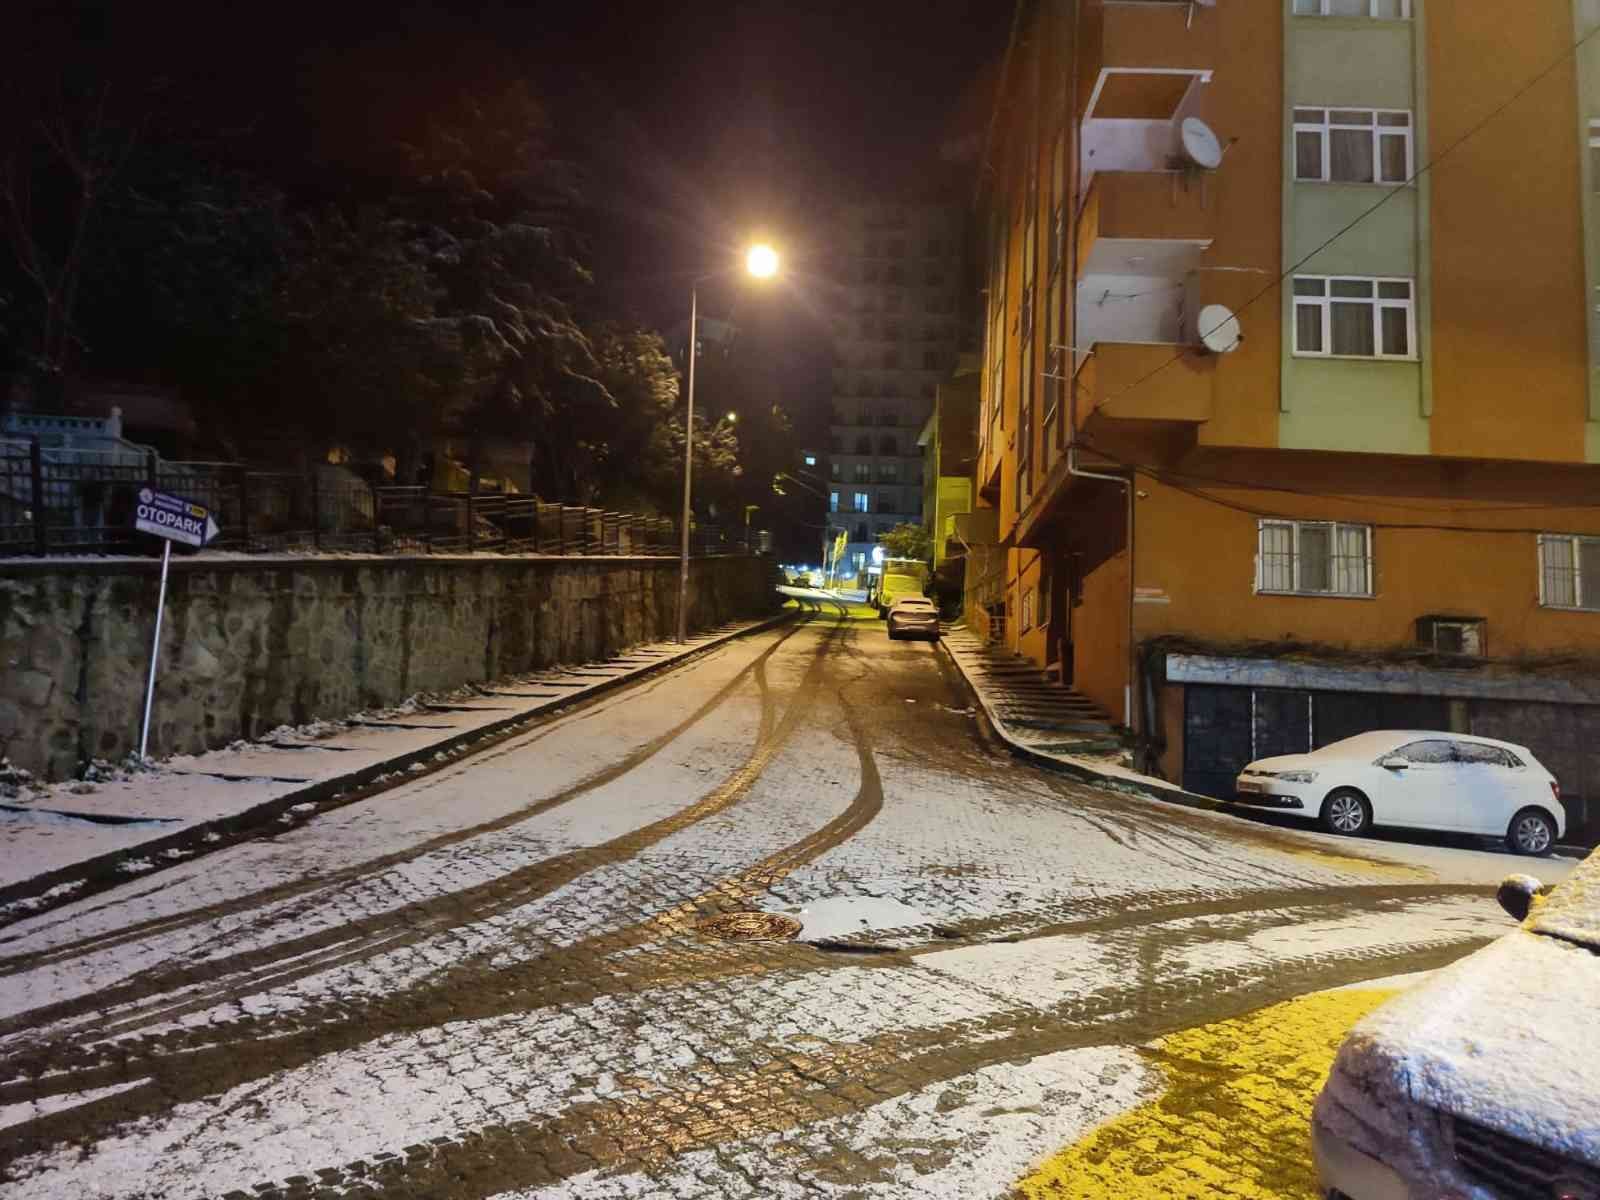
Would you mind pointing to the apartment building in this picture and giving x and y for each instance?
(1289, 414)
(896, 269)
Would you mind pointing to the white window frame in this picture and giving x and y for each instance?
(1296, 589)
(860, 502)
(1325, 127)
(1323, 6)
(1325, 303)
(1582, 602)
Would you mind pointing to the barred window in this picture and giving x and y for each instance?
(1314, 558)
(1569, 571)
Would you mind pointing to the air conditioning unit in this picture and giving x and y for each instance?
(1467, 636)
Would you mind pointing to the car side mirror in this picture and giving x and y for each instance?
(1516, 893)
(1393, 762)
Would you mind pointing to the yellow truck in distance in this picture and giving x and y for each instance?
(901, 577)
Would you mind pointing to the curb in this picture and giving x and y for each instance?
(1084, 774)
(104, 871)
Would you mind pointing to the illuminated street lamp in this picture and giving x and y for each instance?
(761, 262)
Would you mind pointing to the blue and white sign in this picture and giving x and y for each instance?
(174, 518)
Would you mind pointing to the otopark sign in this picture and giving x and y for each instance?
(173, 519)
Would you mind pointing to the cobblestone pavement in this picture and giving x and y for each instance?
(779, 922)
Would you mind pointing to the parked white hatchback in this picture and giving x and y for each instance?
(1424, 780)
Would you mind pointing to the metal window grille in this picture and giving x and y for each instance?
(1569, 571)
(1316, 558)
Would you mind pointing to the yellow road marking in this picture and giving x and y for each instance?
(1233, 1120)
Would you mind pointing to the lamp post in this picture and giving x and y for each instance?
(762, 262)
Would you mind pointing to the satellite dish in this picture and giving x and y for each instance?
(1200, 144)
(1219, 329)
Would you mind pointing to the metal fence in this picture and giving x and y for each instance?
(53, 503)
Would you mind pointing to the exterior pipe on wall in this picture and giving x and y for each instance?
(1127, 485)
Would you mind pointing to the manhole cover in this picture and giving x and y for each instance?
(751, 926)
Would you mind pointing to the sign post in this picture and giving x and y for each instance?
(172, 519)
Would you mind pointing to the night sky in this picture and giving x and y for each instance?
(711, 121)
(703, 123)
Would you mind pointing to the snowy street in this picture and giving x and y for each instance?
(778, 922)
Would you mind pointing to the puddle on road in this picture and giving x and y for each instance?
(750, 927)
(846, 916)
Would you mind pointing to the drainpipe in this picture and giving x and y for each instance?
(1127, 485)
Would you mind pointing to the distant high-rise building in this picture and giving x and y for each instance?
(896, 274)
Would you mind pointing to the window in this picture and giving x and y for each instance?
(930, 360)
(863, 533)
(1027, 610)
(863, 472)
(1476, 753)
(858, 501)
(1433, 751)
(1569, 571)
(886, 502)
(1314, 558)
(1594, 155)
(863, 444)
(1352, 145)
(888, 472)
(1353, 317)
(1382, 10)
(887, 445)
(811, 460)
(833, 501)
(834, 471)
(934, 248)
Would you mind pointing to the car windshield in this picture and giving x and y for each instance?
(1367, 745)
(1572, 910)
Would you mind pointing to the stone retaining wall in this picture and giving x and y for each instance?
(250, 644)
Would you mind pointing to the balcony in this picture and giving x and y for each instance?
(1143, 56)
(980, 527)
(1131, 220)
(1137, 381)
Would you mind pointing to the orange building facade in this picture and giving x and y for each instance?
(1289, 407)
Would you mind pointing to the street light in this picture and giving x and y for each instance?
(761, 261)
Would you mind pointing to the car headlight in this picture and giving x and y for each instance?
(1298, 776)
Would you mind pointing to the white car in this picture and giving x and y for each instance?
(1482, 1082)
(1425, 780)
(914, 616)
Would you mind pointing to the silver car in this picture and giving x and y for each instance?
(914, 616)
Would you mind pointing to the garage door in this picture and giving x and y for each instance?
(1224, 728)
(1566, 739)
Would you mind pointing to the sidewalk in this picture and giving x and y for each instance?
(1046, 748)
(60, 840)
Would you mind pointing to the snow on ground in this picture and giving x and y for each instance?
(968, 1137)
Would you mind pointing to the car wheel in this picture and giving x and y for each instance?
(1346, 812)
(1531, 832)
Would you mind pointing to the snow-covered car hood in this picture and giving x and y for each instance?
(1285, 762)
(1572, 911)
(1506, 1038)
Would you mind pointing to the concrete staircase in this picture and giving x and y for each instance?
(1018, 692)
